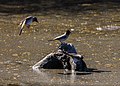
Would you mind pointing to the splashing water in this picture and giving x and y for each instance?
(72, 78)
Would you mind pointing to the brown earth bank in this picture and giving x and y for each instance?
(45, 6)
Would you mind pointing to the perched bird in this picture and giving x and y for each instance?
(63, 37)
(27, 22)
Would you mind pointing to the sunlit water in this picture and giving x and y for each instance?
(99, 46)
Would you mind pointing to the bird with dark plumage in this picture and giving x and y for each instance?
(27, 22)
(63, 37)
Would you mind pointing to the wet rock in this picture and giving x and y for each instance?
(60, 59)
(49, 62)
(80, 64)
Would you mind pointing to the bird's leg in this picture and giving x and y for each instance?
(65, 67)
(28, 26)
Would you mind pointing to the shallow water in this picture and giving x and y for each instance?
(100, 48)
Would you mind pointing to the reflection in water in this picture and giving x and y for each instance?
(42, 76)
(55, 77)
(72, 78)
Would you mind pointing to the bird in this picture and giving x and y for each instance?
(63, 37)
(27, 22)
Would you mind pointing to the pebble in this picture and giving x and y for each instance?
(15, 54)
(72, 29)
(19, 46)
(108, 65)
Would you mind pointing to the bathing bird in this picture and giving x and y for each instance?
(27, 22)
(63, 37)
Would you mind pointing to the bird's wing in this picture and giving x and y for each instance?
(24, 20)
(22, 25)
(20, 31)
(28, 18)
(59, 37)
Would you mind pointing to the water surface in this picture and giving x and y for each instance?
(101, 49)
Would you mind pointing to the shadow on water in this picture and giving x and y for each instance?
(46, 6)
(78, 73)
(93, 70)
(89, 71)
